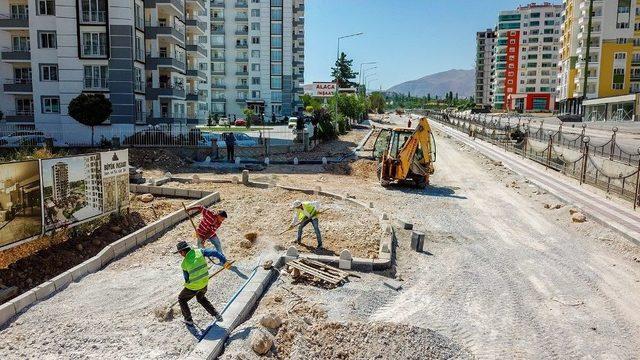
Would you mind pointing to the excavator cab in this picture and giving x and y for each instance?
(406, 155)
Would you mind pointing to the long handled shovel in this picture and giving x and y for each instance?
(195, 229)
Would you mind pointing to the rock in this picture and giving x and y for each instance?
(145, 198)
(116, 229)
(578, 217)
(558, 206)
(267, 264)
(271, 322)
(547, 206)
(246, 244)
(277, 298)
(79, 247)
(96, 242)
(573, 211)
(261, 342)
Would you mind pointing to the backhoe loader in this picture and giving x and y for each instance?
(406, 155)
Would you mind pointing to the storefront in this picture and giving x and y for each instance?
(616, 108)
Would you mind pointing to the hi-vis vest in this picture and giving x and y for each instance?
(308, 211)
(196, 265)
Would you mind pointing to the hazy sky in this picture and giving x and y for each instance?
(408, 38)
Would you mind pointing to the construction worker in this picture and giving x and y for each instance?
(306, 212)
(196, 279)
(208, 226)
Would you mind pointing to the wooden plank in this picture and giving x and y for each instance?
(309, 270)
(327, 268)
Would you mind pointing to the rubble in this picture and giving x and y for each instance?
(261, 342)
(146, 198)
(578, 217)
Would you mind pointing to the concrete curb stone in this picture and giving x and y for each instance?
(23, 300)
(7, 311)
(44, 290)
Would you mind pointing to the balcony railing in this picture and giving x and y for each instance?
(95, 83)
(19, 85)
(14, 20)
(94, 17)
(19, 53)
(94, 50)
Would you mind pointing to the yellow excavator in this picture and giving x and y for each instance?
(406, 155)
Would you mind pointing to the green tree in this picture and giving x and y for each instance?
(377, 102)
(90, 110)
(343, 73)
(248, 114)
(310, 101)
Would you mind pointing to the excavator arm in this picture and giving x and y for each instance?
(407, 155)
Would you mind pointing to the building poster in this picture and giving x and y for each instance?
(115, 179)
(20, 202)
(72, 190)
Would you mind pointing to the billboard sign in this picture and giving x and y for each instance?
(323, 89)
(115, 179)
(20, 201)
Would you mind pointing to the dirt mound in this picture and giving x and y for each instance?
(362, 168)
(168, 160)
(333, 340)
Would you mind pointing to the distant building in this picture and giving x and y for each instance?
(93, 181)
(60, 181)
(526, 58)
(486, 42)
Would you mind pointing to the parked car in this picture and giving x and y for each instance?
(240, 122)
(242, 139)
(23, 138)
(223, 121)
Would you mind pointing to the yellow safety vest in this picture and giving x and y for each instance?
(196, 266)
(308, 211)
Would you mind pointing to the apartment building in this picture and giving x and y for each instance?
(257, 57)
(60, 181)
(485, 46)
(93, 181)
(526, 58)
(150, 58)
(609, 64)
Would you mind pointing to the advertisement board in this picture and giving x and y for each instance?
(20, 201)
(115, 179)
(324, 89)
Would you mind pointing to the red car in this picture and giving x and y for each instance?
(240, 122)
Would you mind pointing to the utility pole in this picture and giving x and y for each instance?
(587, 55)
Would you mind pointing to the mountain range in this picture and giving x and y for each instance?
(455, 80)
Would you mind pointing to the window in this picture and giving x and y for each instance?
(276, 28)
(22, 75)
(276, 55)
(255, 26)
(276, 41)
(255, 40)
(620, 56)
(276, 82)
(255, 94)
(255, 81)
(94, 44)
(46, 7)
(255, 67)
(255, 54)
(20, 43)
(47, 39)
(139, 48)
(276, 96)
(138, 84)
(255, 12)
(48, 72)
(276, 69)
(139, 16)
(20, 11)
(95, 76)
(24, 106)
(50, 105)
(93, 11)
(276, 14)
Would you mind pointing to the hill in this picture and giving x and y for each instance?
(458, 81)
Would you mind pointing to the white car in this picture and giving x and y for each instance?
(242, 139)
(23, 138)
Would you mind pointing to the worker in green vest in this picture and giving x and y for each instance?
(196, 279)
(305, 212)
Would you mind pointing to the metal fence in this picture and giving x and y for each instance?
(606, 165)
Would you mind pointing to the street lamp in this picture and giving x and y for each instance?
(338, 58)
(365, 63)
(362, 75)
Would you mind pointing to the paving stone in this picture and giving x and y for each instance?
(393, 284)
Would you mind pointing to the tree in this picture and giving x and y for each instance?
(90, 110)
(343, 72)
(310, 101)
(248, 114)
(429, 97)
(377, 102)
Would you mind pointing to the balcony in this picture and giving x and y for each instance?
(218, 72)
(18, 86)
(217, 29)
(166, 90)
(217, 17)
(197, 48)
(242, 17)
(217, 59)
(217, 4)
(199, 3)
(217, 46)
(241, 5)
(152, 4)
(197, 25)
(14, 21)
(242, 73)
(19, 116)
(94, 51)
(152, 31)
(218, 99)
(242, 45)
(93, 17)
(16, 55)
(197, 73)
(242, 32)
(242, 59)
(196, 96)
(218, 86)
(164, 60)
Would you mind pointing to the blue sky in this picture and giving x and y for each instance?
(408, 38)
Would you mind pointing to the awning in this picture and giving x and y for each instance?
(610, 100)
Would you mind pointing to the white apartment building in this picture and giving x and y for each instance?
(60, 181)
(257, 57)
(93, 181)
(526, 58)
(148, 57)
(486, 42)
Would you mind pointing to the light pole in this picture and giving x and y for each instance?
(363, 75)
(365, 63)
(338, 58)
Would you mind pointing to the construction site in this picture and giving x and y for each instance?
(435, 244)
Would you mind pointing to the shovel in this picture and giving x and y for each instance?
(194, 226)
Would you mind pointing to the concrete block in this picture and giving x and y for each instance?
(292, 252)
(385, 247)
(381, 264)
(234, 180)
(45, 290)
(245, 177)
(182, 193)
(167, 191)
(194, 194)
(384, 256)
(61, 281)
(105, 255)
(195, 178)
(22, 301)
(161, 181)
(142, 189)
(7, 311)
(345, 255)
(93, 265)
(344, 264)
(393, 284)
(133, 188)
(295, 161)
(362, 264)
(78, 271)
(417, 241)
(324, 160)
(266, 161)
(384, 216)
(405, 224)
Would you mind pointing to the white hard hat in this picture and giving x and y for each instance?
(296, 204)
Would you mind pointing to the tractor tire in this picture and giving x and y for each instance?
(383, 182)
(421, 182)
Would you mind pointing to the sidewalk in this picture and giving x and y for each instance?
(620, 217)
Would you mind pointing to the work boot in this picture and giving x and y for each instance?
(219, 317)
(319, 246)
